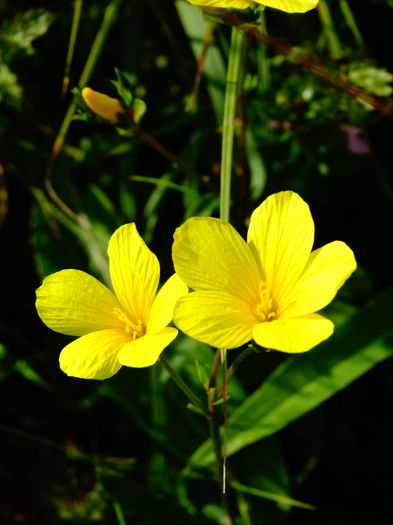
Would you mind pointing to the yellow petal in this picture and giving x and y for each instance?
(161, 313)
(104, 106)
(230, 4)
(93, 356)
(281, 233)
(326, 271)
(75, 303)
(290, 6)
(293, 335)
(215, 318)
(146, 350)
(134, 271)
(209, 254)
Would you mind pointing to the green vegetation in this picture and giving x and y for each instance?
(309, 435)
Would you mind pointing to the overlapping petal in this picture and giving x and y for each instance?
(104, 106)
(294, 334)
(146, 350)
(281, 233)
(93, 356)
(73, 302)
(134, 270)
(229, 4)
(216, 318)
(326, 271)
(289, 6)
(161, 313)
(209, 254)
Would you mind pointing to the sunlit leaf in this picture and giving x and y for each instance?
(303, 382)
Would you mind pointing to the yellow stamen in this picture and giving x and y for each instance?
(134, 329)
(266, 310)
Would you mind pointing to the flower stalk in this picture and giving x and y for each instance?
(228, 126)
(183, 386)
(228, 131)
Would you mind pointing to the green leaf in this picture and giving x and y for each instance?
(18, 34)
(10, 90)
(278, 498)
(373, 79)
(303, 382)
(146, 505)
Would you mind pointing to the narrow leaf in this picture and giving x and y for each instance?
(303, 382)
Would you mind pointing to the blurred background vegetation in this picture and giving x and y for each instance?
(127, 450)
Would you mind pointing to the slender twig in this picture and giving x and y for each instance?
(212, 415)
(263, 60)
(228, 126)
(228, 131)
(192, 99)
(351, 22)
(182, 385)
(71, 45)
(328, 27)
(95, 51)
(174, 159)
(215, 435)
(232, 369)
(224, 361)
(305, 61)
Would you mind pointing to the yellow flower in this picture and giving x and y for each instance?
(289, 6)
(266, 289)
(128, 327)
(104, 106)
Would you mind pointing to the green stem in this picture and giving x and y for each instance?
(228, 131)
(263, 61)
(71, 44)
(119, 513)
(165, 152)
(182, 385)
(158, 415)
(234, 366)
(95, 51)
(228, 126)
(351, 22)
(328, 27)
(224, 362)
(215, 437)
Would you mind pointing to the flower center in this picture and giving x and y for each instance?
(134, 329)
(266, 309)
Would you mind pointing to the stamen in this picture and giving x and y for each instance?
(134, 329)
(266, 311)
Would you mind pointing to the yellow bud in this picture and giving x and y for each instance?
(104, 106)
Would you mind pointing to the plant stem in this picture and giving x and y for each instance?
(228, 131)
(208, 39)
(328, 27)
(182, 385)
(263, 61)
(351, 22)
(304, 60)
(95, 51)
(234, 366)
(71, 45)
(215, 435)
(165, 152)
(228, 126)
